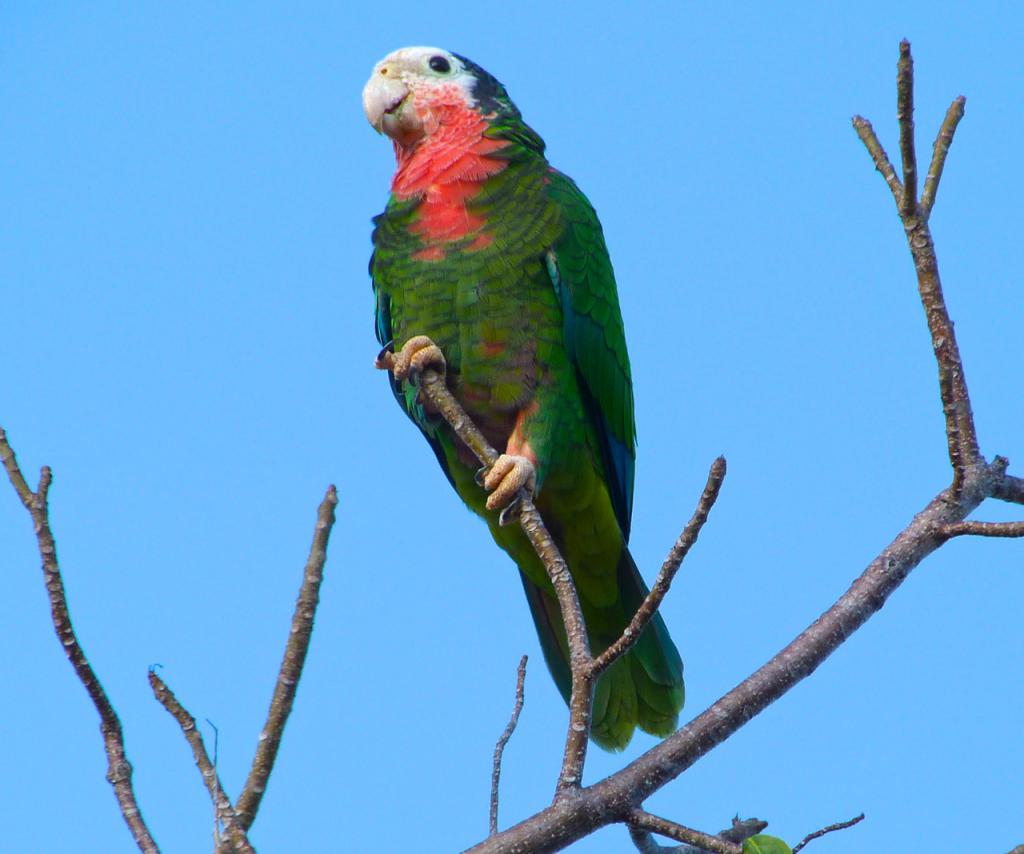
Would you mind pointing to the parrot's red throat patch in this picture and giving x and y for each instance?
(445, 169)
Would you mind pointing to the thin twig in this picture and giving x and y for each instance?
(882, 163)
(661, 585)
(984, 529)
(905, 115)
(221, 803)
(841, 825)
(499, 748)
(939, 151)
(639, 819)
(291, 666)
(119, 769)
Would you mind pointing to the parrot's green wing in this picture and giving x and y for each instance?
(581, 273)
(594, 337)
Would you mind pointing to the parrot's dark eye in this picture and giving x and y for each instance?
(439, 64)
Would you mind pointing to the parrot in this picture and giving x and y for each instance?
(490, 263)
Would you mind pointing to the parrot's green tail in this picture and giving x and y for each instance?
(643, 688)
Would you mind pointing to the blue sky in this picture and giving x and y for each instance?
(187, 340)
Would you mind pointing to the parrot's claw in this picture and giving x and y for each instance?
(385, 357)
(510, 512)
(417, 355)
(509, 474)
(481, 473)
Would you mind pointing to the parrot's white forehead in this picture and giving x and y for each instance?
(412, 65)
(418, 56)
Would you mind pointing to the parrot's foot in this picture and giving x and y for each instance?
(417, 355)
(509, 474)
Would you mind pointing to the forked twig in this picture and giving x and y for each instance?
(119, 772)
(961, 435)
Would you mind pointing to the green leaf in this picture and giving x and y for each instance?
(762, 844)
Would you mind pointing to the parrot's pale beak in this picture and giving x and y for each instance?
(387, 108)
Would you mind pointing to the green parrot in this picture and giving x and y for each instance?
(498, 259)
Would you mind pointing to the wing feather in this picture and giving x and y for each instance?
(581, 273)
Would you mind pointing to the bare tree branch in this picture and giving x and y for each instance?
(640, 820)
(840, 825)
(291, 667)
(221, 803)
(659, 589)
(499, 748)
(119, 769)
